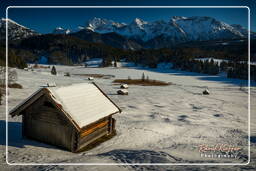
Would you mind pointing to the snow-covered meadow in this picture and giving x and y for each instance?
(158, 124)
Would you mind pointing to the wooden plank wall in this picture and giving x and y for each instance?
(44, 123)
(93, 132)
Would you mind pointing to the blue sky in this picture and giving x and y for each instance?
(44, 20)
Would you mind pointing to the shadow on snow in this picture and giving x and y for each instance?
(200, 76)
(15, 138)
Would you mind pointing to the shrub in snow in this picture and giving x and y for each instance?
(36, 65)
(122, 92)
(15, 85)
(206, 92)
(67, 74)
(12, 76)
(124, 86)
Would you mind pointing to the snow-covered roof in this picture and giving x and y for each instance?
(85, 103)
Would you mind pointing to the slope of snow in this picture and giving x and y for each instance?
(94, 62)
(158, 124)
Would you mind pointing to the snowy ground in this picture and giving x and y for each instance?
(157, 125)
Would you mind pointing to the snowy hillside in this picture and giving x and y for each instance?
(95, 62)
(157, 125)
(15, 30)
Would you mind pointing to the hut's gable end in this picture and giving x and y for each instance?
(43, 109)
(18, 110)
(44, 122)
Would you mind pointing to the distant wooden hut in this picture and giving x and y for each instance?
(122, 92)
(71, 117)
(124, 86)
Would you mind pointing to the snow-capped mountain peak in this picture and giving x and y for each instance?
(139, 22)
(61, 30)
(205, 28)
(3, 21)
(178, 28)
(15, 30)
(103, 25)
(80, 27)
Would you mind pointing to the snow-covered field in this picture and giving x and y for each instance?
(157, 125)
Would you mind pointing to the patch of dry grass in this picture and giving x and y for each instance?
(95, 75)
(141, 82)
(41, 66)
(13, 85)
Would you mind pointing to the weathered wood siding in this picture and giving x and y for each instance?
(94, 131)
(45, 123)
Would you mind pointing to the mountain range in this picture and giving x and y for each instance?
(178, 28)
(148, 43)
(159, 34)
(141, 34)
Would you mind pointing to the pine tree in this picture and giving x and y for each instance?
(53, 71)
(106, 62)
(1, 96)
(115, 62)
(143, 77)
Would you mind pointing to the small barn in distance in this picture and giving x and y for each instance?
(70, 117)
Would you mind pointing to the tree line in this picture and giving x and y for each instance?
(69, 50)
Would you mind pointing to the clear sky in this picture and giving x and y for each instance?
(45, 20)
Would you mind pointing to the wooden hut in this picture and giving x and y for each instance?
(70, 117)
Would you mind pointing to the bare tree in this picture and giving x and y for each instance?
(12, 76)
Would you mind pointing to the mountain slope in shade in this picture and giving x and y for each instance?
(112, 39)
(15, 30)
